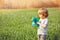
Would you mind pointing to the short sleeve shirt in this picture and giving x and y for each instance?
(43, 31)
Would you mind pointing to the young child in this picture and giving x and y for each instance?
(43, 22)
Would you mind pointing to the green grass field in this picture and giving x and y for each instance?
(16, 24)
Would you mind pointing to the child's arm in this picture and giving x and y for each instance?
(43, 25)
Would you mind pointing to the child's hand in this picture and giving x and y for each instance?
(38, 23)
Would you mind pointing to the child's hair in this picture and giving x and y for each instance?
(43, 11)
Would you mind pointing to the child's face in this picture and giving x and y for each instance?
(41, 12)
(41, 16)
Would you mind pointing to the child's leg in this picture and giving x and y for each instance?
(39, 37)
(42, 37)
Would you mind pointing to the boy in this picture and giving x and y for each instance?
(43, 22)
